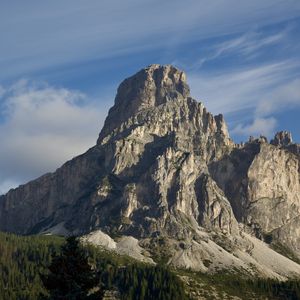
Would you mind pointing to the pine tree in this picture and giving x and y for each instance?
(70, 276)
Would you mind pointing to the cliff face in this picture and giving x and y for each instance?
(165, 167)
(147, 165)
(261, 181)
(274, 195)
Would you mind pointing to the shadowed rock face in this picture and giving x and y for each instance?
(164, 166)
(282, 138)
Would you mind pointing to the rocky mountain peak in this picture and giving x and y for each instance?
(150, 87)
(166, 176)
(282, 138)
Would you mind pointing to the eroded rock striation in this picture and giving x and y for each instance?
(165, 172)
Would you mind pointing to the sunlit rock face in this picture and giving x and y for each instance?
(148, 88)
(262, 183)
(163, 166)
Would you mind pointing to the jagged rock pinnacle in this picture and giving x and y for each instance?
(148, 88)
(282, 138)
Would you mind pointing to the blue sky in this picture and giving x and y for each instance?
(62, 61)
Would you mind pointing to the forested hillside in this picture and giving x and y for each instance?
(23, 259)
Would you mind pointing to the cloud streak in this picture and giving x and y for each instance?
(243, 88)
(39, 35)
(284, 97)
(281, 99)
(263, 91)
(246, 45)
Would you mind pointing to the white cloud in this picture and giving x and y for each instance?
(281, 99)
(264, 91)
(284, 97)
(6, 185)
(43, 127)
(260, 126)
(239, 89)
(278, 100)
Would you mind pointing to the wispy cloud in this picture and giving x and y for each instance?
(39, 35)
(43, 127)
(279, 100)
(263, 91)
(247, 45)
(250, 42)
(240, 88)
(282, 98)
(259, 126)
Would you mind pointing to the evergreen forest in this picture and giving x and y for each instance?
(25, 262)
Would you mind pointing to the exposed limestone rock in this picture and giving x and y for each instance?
(262, 183)
(148, 88)
(130, 198)
(216, 211)
(99, 238)
(164, 168)
(274, 194)
(127, 245)
(282, 138)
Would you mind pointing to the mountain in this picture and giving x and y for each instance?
(166, 183)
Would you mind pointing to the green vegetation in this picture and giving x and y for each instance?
(70, 275)
(160, 250)
(136, 280)
(225, 285)
(24, 260)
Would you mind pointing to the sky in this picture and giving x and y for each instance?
(62, 61)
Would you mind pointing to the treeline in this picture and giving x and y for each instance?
(137, 281)
(24, 260)
(289, 290)
(254, 288)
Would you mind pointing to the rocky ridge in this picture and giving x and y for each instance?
(166, 175)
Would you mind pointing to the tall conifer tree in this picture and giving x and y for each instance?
(70, 276)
